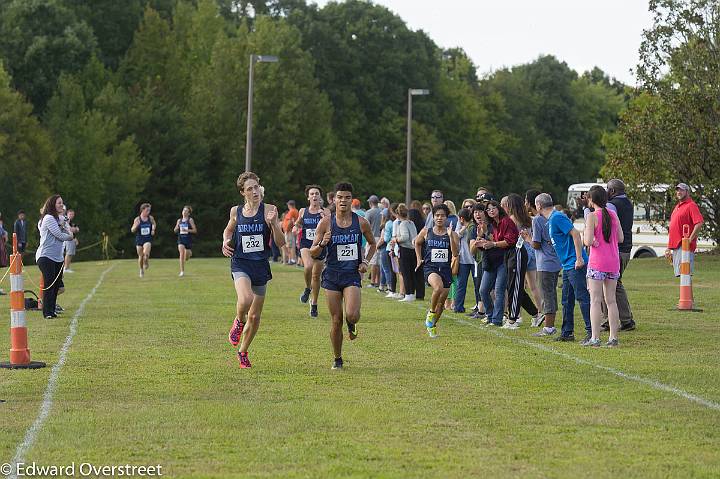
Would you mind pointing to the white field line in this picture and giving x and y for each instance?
(630, 377)
(32, 432)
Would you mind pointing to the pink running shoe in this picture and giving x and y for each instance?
(236, 332)
(244, 361)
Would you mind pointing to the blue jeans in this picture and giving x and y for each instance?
(461, 288)
(387, 277)
(574, 287)
(497, 280)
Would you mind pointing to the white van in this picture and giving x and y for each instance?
(650, 234)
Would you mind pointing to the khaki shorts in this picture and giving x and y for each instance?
(290, 240)
(677, 258)
(548, 281)
(374, 260)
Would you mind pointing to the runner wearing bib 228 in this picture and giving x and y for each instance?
(436, 249)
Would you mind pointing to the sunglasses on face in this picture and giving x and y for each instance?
(436, 197)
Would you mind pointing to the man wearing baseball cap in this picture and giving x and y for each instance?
(686, 212)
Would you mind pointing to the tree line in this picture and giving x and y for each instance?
(112, 104)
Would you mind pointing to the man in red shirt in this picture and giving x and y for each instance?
(288, 222)
(686, 212)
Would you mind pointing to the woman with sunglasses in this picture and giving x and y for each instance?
(505, 235)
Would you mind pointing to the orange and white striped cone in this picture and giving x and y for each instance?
(686, 302)
(19, 352)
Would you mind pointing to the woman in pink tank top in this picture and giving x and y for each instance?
(602, 235)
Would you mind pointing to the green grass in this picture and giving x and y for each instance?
(150, 378)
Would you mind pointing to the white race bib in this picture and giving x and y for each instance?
(310, 234)
(439, 255)
(347, 252)
(145, 231)
(252, 244)
(183, 229)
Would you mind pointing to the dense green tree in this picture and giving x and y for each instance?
(98, 170)
(39, 40)
(26, 155)
(670, 133)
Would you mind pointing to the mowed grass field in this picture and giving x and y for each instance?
(151, 379)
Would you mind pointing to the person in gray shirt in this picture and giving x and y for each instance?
(49, 254)
(374, 217)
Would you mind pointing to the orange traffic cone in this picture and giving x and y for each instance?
(19, 352)
(686, 302)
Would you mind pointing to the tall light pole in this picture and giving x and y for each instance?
(408, 168)
(248, 139)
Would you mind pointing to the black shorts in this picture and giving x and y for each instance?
(187, 243)
(258, 271)
(444, 273)
(339, 280)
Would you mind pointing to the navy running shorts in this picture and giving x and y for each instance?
(444, 273)
(258, 271)
(339, 280)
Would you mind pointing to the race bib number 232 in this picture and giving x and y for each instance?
(252, 244)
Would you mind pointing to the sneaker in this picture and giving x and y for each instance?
(337, 364)
(398, 296)
(382, 289)
(68, 271)
(59, 309)
(485, 320)
(613, 343)
(594, 343)
(544, 333)
(51, 316)
(587, 338)
(490, 324)
(236, 332)
(313, 311)
(244, 361)
(509, 325)
(430, 320)
(519, 320)
(2, 293)
(473, 311)
(565, 339)
(371, 285)
(352, 331)
(537, 320)
(432, 332)
(408, 298)
(390, 294)
(182, 273)
(305, 296)
(627, 326)
(142, 273)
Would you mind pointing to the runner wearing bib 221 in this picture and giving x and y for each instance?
(249, 229)
(341, 234)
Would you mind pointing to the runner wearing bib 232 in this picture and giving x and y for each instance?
(249, 229)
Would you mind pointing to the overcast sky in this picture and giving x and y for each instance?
(497, 33)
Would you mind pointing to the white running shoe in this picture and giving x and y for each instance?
(408, 298)
(68, 271)
(509, 325)
(142, 273)
(390, 294)
(182, 273)
(537, 320)
(398, 296)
